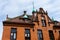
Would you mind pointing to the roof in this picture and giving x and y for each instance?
(24, 18)
(27, 19)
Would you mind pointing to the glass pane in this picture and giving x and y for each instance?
(39, 32)
(28, 35)
(51, 35)
(13, 30)
(25, 35)
(27, 31)
(11, 34)
(39, 35)
(14, 35)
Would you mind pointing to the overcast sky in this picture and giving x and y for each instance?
(16, 7)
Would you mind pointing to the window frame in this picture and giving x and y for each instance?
(26, 38)
(51, 35)
(39, 37)
(43, 21)
(13, 33)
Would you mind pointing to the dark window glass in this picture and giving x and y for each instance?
(44, 23)
(27, 34)
(13, 34)
(59, 36)
(40, 36)
(51, 35)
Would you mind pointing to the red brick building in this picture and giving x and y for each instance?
(37, 26)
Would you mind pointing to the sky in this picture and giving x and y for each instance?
(14, 8)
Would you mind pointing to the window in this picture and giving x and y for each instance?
(51, 35)
(40, 36)
(13, 34)
(59, 36)
(43, 21)
(27, 34)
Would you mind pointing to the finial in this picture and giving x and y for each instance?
(41, 8)
(24, 11)
(7, 16)
(33, 7)
(46, 12)
(25, 15)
